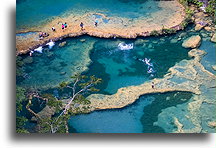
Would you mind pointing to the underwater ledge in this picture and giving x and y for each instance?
(185, 76)
(140, 27)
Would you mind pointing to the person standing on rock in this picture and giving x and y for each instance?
(82, 26)
(53, 29)
(96, 23)
(63, 27)
(153, 85)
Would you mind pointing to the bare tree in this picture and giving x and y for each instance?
(81, 85)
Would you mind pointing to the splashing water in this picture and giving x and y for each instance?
(124, 46)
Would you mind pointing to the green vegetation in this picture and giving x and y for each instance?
(55, 119)
(168, 31)
(211, 7)
(187, 2)
(184, 24)
(189, 12)
(154, 33)
(19, 64)
(196, 2)
(20, 119)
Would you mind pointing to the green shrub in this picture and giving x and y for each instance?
(168, 31)
(211, 7)
(155, 33)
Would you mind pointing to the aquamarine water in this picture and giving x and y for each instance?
(49, 9)
(210, 58)
(140, 117)
(118, 68)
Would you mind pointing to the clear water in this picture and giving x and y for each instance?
(124, 68)
(140, 117)
(118, 68)
(210, 58)
(55, 65)
(49, 9)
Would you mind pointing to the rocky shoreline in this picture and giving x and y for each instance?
(187, 75)
(116, 27)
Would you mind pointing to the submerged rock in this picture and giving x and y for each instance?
(174, 41)
(28, 60)
(192, 42)
(212, 124)
(183, 34)
(62, 44)
(62, 73)
(214, 67)
(213, 38)
(82, 40)
(140, 41)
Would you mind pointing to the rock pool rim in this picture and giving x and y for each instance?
(25, 46)
(110, 36)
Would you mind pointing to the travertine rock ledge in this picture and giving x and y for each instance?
(115, 27)
(188, 76)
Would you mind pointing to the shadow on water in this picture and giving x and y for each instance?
(139, 117)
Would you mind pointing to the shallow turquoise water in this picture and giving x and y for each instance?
(48, 69)
(28, 9)
(136, 118)
(124, 68)
(118, 68)
(210, 58)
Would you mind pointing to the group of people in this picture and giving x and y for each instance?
(63, 26)
(43, 35)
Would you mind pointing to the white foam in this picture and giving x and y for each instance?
(124, 46)
(39, 49)
(50, 44)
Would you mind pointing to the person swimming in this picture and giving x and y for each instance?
(147, 62)
(150, 70)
